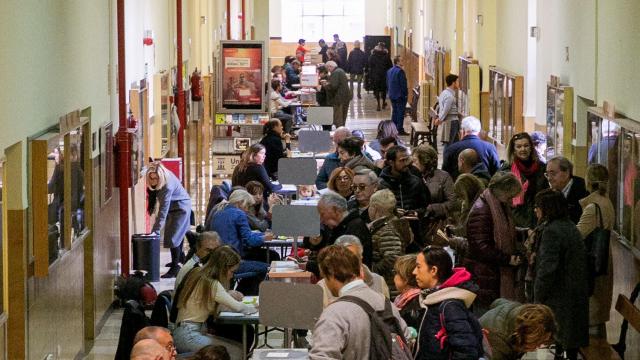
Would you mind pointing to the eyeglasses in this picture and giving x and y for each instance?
(170, 348)
(344, 178)
(550, 174)
(358, 187)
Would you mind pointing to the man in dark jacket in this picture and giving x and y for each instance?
(355, 64)
(486, 151)
(560, 176)
(331, 161)
(336, 220)
(323, 50)
(469, 163)
(409, 190)
(398, 93)
(338, 93)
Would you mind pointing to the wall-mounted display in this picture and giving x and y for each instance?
(241, 144)
(469, 77)
(242, 68)
(560, 125)
(505, 105)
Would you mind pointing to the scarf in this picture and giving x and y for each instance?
(522, 170)
(504, 234)
(408, 295)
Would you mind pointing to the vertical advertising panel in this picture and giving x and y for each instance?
(242, 66)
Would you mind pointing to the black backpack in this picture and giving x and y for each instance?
(133, 320)
(387, 338)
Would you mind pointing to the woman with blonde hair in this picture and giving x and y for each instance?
(205, 290)
(340, 181)
(173, 212)
(597, 210)
(515, 329)
(408, 299)
(467, 188)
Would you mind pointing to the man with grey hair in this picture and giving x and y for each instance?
(159, 334)
(373, 280)
(149, 349)
(335, 221)
(331, 161)
(560, 176)
(338, 93)
(365, 183)
(486, 151)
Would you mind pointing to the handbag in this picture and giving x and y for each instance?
(597, 244)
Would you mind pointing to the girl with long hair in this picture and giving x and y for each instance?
(251, 168)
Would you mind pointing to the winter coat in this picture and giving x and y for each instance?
(331, 162)
(397, 84)
(482, 173)
(486, 151)
(274, 151)
(412, 313)
(561, 281)
(452, 299)
(374, 281)
(600, 301)
(577, 192)
(344, 329)
(232, 225)
(356, 62)
(389, 237)
(500, 321)
(323, 52)
(410, 191)
(174, 211)
(293, 77)
(379, 64)
(523, 215)
(360, 162)
(337, 87)
(350, 225)
(443, 199)
(255, 172)
(483, 258)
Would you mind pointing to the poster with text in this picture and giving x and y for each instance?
(242, 76)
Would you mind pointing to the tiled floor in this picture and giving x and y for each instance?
(362, 116)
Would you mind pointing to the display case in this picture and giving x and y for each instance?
(469, 80)
(165, 114)
(560, 125)
(505, 106)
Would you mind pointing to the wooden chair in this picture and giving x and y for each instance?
(412, 107)
(424, 131)
(599, 348)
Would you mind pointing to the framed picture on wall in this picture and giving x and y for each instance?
(106, 163)
(241, 144)
(242, 66)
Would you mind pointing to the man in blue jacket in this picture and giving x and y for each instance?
(398, 93)
(486, 151)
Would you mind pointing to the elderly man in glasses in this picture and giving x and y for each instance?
(365, 183)
(560, 175)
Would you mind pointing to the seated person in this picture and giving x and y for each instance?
(159, 334)
(371, 154)
(274, 150)
(373, 280)
(205, 243)
(259, 217)
(306, 192)
(204, 293)
(278, 104)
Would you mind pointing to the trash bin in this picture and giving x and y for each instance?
(146, 254)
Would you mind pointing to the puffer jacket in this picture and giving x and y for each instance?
(443, 198)
(409, 190)
(389, 237)
(452, 300)
(500, 321)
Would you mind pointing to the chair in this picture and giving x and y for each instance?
(412, 106)
(289, 306)
(424, 131)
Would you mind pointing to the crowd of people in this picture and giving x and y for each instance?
(481, 258)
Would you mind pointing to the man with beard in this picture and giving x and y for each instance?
(409, 189)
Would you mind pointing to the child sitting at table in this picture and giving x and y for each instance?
(205, 290)
(306, 192)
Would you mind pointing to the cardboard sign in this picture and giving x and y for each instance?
(321, 115)
(297, 171)
(224, 164)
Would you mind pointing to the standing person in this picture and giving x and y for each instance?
(365, 183)
(323, 50)
(448, 330)
(493, 257)
(351, 155)
(448, 113)
(560, 175)
(597, 209)
(409, 190)
(487, 152)
(205, 289)
(277, 105)
(355, 64)
(301, 51)
(379, 64)
(469, 163)
(540, 144)
(251, 167)
(398, 93)
(467, 189)
(408, 299)
(174, 211)
(523, 162)
(338, 93)
(321, 95)
(560, 272)
(439, 183)
(272, 142)
(341, 50)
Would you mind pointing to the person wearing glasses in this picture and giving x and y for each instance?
(492, 256)
(560, 176)
(523, 162)
(558, 269)
(448, 329)
(365, 183)
(340, 181)
(390, 235)
(159, 334)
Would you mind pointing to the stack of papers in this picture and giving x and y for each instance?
(284, 266)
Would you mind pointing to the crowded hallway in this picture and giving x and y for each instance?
(319, 179)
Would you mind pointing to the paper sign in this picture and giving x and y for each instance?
(278, 355)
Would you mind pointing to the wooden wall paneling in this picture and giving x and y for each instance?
(40, 206)
(66, 240)
(17, 273)
(89, 200)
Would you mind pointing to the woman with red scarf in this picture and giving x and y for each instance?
(523, 162)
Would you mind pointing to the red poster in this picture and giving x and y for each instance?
(242, 76)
